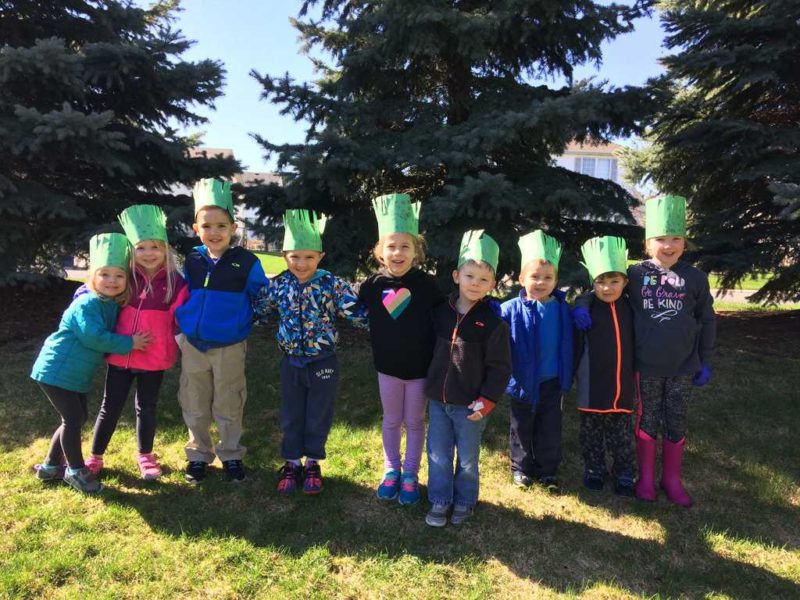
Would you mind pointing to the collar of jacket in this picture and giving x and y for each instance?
(557, 294)
(319, 274)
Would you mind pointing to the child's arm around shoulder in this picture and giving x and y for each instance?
(348, 305)
(256, 279)
(266, 302)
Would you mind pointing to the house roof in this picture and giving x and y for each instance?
(593, 147)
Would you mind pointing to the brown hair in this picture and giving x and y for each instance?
(121, 299)
(419, 249)
(212, 207)
(539, 262)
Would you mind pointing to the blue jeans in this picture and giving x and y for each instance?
(449, 431)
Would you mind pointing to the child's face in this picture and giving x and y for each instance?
(215, 229)
(666, 250)
(608, 286)
(474, 281)
(150, 255)
(302, 263)
(538, 279)
(109, 281)
(398, 253)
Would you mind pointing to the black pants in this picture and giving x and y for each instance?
(662, 405)
(118, 384)
(66, 441)
(535, 437)
(607, 431)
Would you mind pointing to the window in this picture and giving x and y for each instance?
(602, 168)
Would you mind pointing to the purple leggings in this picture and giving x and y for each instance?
(403, 402)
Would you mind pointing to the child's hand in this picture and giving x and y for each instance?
(481, 408)
(581, 318)
(703, 376)
(141, 340)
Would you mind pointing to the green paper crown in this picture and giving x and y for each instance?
(109, 250)
(538, 244)
(396, 214)
(479, 246)
(213, 192)
(144, 222)
(665, 216)
(302, 230)
(606, 254)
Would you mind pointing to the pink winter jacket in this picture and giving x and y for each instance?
(151, 313)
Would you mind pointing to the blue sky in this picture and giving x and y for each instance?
(257, 34)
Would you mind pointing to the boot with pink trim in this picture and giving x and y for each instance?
(646, 456)
(671, 460)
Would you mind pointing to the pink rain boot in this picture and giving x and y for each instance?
(672, 456)
(646, 456)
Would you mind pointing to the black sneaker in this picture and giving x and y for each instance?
(624, 487)
(233, 471)
(196, 471)
(593, 481)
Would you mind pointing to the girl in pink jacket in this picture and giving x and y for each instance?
(157, 289)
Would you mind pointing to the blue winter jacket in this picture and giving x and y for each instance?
(219, 311)
(522, 318)
(70, 357)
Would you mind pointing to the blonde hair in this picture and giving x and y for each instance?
(649, 253)
(170, 265)
(537, 262)
(121, 299)
(419, 249)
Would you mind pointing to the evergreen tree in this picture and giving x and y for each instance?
(449, 100)
(728, 138)
(90, 95)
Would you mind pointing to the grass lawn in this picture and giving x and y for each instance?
(751, 282)
(272, 263)
(167, 539)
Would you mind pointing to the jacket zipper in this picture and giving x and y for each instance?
(459, 320)
(135, 325)
(619, 351)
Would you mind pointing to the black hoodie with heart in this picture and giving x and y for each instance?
(400, 321)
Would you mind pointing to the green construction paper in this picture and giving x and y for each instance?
(213, 192)
(396, 214)
(607, 254)
(479, 246)
(302, 230)
(539, 245)
(144, 222)
(109, 250)
(665, 216)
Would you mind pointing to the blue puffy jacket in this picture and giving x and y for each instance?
(522, 318)
(70, 357)
(219, 311)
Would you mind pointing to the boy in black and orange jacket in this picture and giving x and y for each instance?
(604, 368)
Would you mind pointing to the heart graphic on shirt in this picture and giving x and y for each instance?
(396, 301)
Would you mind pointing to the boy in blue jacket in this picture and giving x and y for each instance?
(307, 300)
(541, 353)
(223, 283)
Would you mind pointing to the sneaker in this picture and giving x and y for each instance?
(437, 515)
(196, 471)
(409, 489)
(521, 480)
(460, 514)
(48, 473)
(390, 486)
(550, 484)
(593, 481)
(624, 487)
(83, 480)
(148, 466)
(233, 471)
(291, 474)
(312, 480)
(95, 463)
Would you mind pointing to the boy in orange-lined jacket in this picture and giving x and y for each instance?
(604, 368)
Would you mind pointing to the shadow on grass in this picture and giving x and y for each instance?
(349, 521)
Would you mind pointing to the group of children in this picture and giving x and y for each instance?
(637, 341)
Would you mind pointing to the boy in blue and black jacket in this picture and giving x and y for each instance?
(307, 301)
(541, 353)
(223, 283)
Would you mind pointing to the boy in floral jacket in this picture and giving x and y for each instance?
(307, 301)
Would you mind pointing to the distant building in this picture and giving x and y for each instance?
(601, 160)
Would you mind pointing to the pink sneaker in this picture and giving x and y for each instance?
(94, 463)
(148, 466)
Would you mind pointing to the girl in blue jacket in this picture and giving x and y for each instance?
(71, 356)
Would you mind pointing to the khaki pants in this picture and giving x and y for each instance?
(213, 385)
